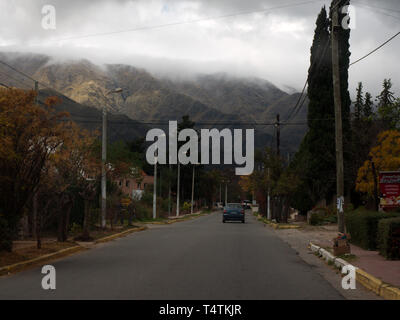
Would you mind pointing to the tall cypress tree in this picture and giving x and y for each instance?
(317, 151)
(368, 106)
(359, 104)
(319, 141)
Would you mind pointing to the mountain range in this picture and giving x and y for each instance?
(211, 100)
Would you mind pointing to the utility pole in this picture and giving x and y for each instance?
(376, 196)
(191, 208)
(268, 198)
(220, 193)
(103, 163)
(169, 191)
(338, 115)
(103, 170)
(278, 135)
(226, 193)
(160, 193)
(35, 196)
(155, 188)
(178, 189)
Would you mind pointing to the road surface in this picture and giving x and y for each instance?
(196, 259)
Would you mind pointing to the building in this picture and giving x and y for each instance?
(134, 188)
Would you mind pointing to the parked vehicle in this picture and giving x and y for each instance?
(233, 212)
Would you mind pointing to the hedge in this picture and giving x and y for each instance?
(363, 226)
(321, 216)
(389, 238)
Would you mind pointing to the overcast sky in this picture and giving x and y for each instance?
(273, 45)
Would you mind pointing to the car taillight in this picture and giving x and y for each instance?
(242, 211)
(224, 211)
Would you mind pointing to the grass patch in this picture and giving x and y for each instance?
(99, 233)
(25, 254)
(349, 257)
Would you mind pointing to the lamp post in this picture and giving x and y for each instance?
(191, 207)
(177, 189)
(103, 163)
(155, 188)
(226, 193)
(155, 182)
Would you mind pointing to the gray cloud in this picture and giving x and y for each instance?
(273, 45)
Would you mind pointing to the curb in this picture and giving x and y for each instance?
(279, 226)
(276, 225)
(20, 265)
(119, 235)
(175, 220)
(370, 282)
(61, 253)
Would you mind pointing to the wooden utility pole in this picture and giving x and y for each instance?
(169, 191)
(338, 114)
(376, 196)
(278, 135)
(35, 196)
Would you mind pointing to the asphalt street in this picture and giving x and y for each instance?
(196, 259)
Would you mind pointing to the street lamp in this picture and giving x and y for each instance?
(155, 182)
(103, 161)
(178, 187)
(191, 206)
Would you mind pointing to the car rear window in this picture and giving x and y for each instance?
(234, 205)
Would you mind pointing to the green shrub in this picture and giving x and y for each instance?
(143, 212)
(75, 229)
(323, 215)
(363, 226)
(186, 207)
(389, 238)
(5, 236)
(316, 218)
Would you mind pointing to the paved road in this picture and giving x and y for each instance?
(197, 259)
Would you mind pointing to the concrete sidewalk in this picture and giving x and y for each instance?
(369, 261)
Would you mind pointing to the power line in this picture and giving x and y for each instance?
(13, 78)
(296, 109)
(383, 44)
(289, 5)
(375, 7)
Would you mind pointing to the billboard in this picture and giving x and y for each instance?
(389, 187)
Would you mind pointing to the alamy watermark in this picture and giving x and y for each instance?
(349, 21)
(188, 153)
(349, 280)
(49, 17)
(49, 280)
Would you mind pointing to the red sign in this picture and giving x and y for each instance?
(389, 187)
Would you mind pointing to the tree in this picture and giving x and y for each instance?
(29, 135)
(72, 165)
(368, 106)
(317, 155)
(359, 104)
(318, 146)
(388, 106)
(386, 157)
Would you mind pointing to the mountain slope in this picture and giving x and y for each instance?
(207, 99)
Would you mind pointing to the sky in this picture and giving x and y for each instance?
(269, 39)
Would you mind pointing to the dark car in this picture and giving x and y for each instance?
(233, 212)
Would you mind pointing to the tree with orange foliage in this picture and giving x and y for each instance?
(385, 156)
(29, 135)
(69, 170)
